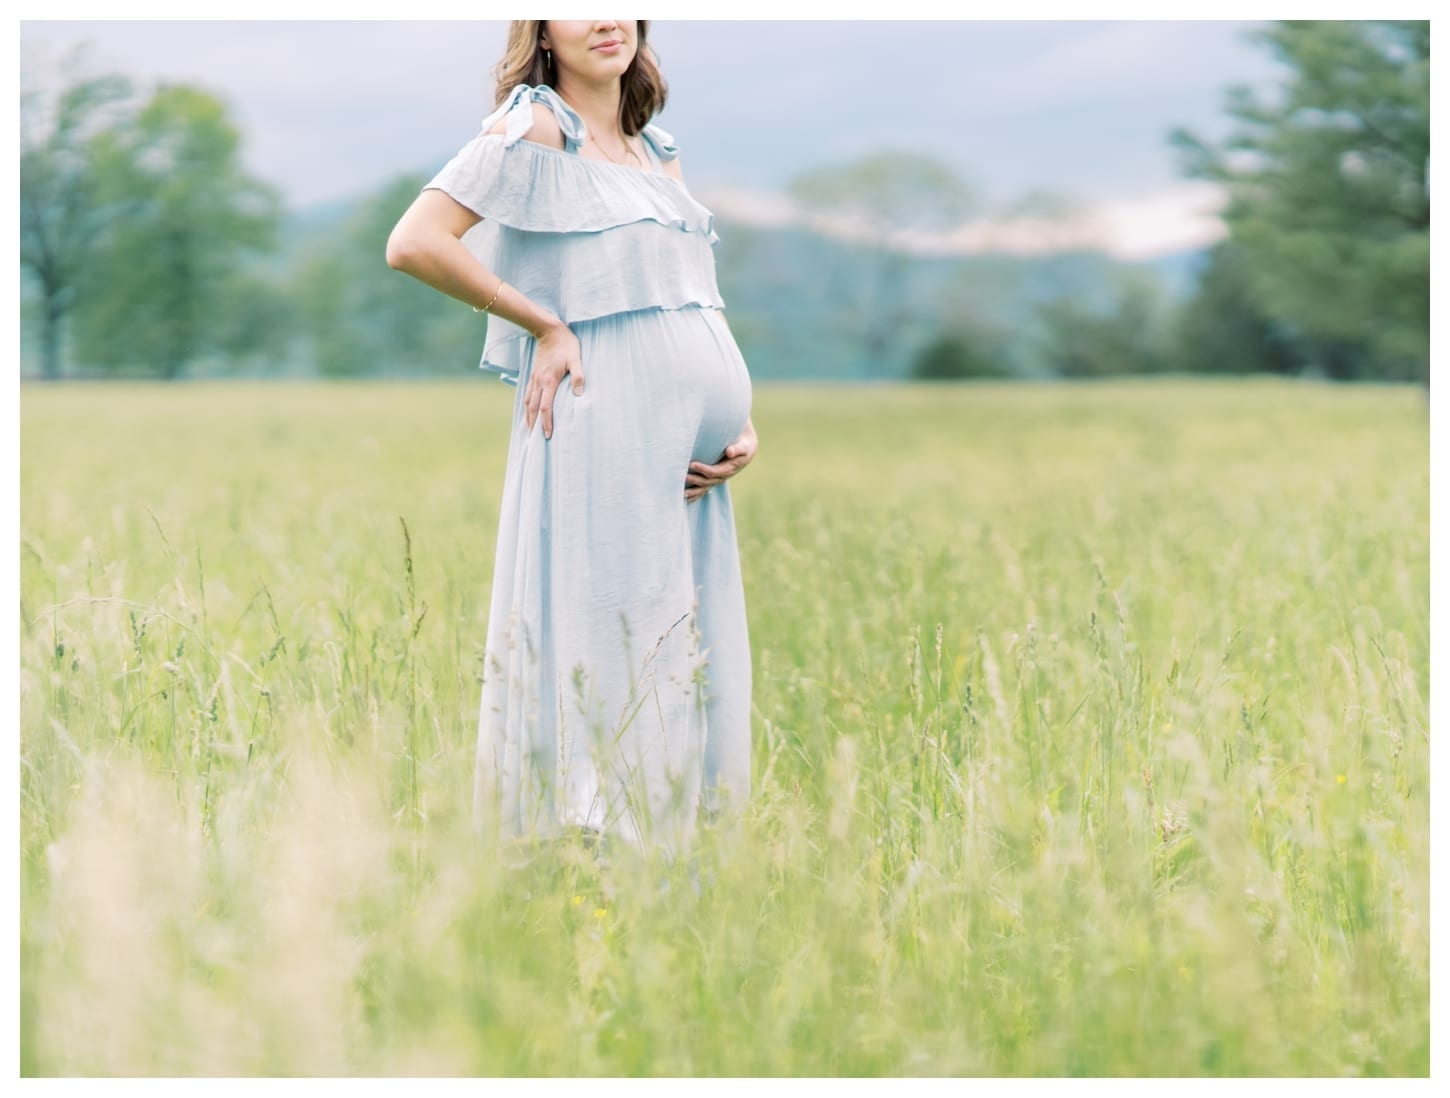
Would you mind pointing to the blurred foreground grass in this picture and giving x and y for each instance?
(1091, 738)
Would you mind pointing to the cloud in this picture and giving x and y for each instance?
(334, 110)
(1161, 222)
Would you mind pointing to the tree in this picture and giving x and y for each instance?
(256, 327)
(168, 269)
(887, 201)
(956, 354)
(1329, 196)
(1128, 338)
(362, 317)
(1222, 328)
(60, 217)
(979, 336)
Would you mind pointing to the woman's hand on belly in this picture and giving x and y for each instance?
(700, 478)
(555, 357)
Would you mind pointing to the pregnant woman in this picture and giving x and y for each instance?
(616, 676)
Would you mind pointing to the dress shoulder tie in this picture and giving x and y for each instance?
(518, 109)
(663, 144)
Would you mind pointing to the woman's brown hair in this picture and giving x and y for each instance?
(642, 89)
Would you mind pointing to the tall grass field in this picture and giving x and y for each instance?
(1091, 737)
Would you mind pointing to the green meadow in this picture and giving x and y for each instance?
(1091, 738)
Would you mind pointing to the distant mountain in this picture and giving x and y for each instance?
(793, 296)
(1179, 271)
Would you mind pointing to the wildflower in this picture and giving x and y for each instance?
(599, 912)
(1340, 779)
(577, 900)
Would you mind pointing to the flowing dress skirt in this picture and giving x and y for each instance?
(617, 676)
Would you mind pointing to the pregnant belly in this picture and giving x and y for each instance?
(674, 377)
(714, 370)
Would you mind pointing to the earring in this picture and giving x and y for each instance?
(548, 58)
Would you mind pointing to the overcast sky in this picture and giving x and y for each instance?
(332, 110)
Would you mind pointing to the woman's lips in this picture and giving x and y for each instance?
(608, 47)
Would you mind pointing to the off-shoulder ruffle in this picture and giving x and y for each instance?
(641, 265)
(535, 188)
(583, 238)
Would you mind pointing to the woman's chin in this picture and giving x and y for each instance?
(607, 67)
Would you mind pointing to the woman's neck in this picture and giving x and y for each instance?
(597, 104)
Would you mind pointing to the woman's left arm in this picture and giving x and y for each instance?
(701, 477)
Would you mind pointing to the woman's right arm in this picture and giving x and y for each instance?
(426, 244)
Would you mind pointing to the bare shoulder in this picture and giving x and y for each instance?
(544, 129)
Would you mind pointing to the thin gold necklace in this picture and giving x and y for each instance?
(628, 148)
(589, 136)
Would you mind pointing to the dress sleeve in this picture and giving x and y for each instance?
(497, 175)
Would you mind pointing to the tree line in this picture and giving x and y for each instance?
(147, 250)
(1326, 265)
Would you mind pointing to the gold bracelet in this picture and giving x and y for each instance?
(491, 300)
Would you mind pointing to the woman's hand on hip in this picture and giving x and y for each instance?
(701, 477)
(555, 357)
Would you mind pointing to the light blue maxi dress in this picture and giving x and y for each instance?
(616, 676)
